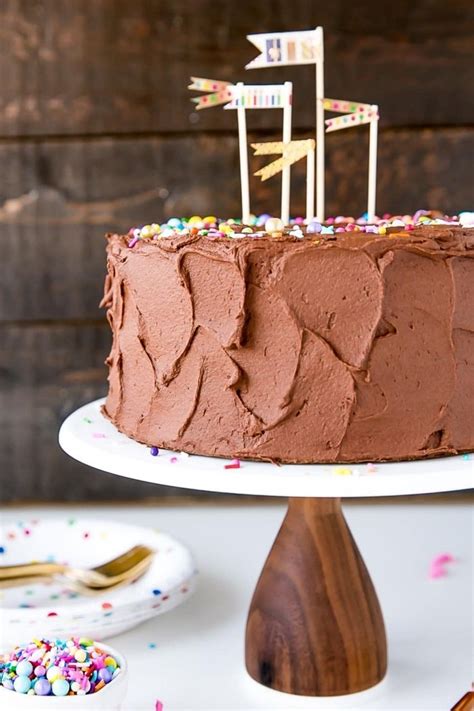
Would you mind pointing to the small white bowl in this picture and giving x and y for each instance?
(109, 698)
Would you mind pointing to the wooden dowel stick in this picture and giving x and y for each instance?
(243, 155)
(310, 185)
(320, 128)
(372, 187)
(285, 173)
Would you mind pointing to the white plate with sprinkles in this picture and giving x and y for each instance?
(54, 609)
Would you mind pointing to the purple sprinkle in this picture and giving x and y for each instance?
(314, 227)
(133, 242)
(154, 451)
(42, 687)
(105, 675)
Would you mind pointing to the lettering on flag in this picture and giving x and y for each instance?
(219, 92)
(260, 96)
(284, 48)
(290, 152)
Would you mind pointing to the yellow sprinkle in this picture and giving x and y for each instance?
(382, 230)
(146, 231)
(342, 471)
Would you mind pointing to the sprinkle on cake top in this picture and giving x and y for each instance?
(265, 225)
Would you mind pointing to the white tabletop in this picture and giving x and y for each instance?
(198, 659)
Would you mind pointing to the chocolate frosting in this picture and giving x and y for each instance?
(335, 348)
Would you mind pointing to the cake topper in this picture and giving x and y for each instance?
(356, 114)
(291, 153)
(291, 48)
(283, 49)
(307, 47)
(220, 92)
(241, 97)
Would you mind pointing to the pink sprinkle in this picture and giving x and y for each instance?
(133, 242)
(235, 464)
(173, 460)
(436, 571)
(443, 558)
(437, 565)
(159, 706)
(371, 468)
(99, 435)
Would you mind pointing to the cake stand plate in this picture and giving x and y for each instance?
(315, 626)
(89, 437)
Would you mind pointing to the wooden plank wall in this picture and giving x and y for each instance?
(97, 133)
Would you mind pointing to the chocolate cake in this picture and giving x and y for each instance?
(297, 346)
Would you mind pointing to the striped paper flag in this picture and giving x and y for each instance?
(219, 92)
(284, 48)
(260, 96)
(357, 114)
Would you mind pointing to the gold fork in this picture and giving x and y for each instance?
(125, 567)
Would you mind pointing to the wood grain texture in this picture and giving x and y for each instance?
(97, 133)
(112, 66)
(46, 372)
(315, 626)
(60, 197)
(466, 703)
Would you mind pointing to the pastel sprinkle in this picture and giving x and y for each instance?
(99, 435)
(152, 645)
(443, 558)
(342, 471)
(235, 464)
(437, 567)
(159, 706)
(59, 667)
(212, 227)
(371, 468)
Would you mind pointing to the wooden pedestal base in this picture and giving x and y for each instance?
(315, 626)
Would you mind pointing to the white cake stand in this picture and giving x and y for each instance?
(315, 626)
